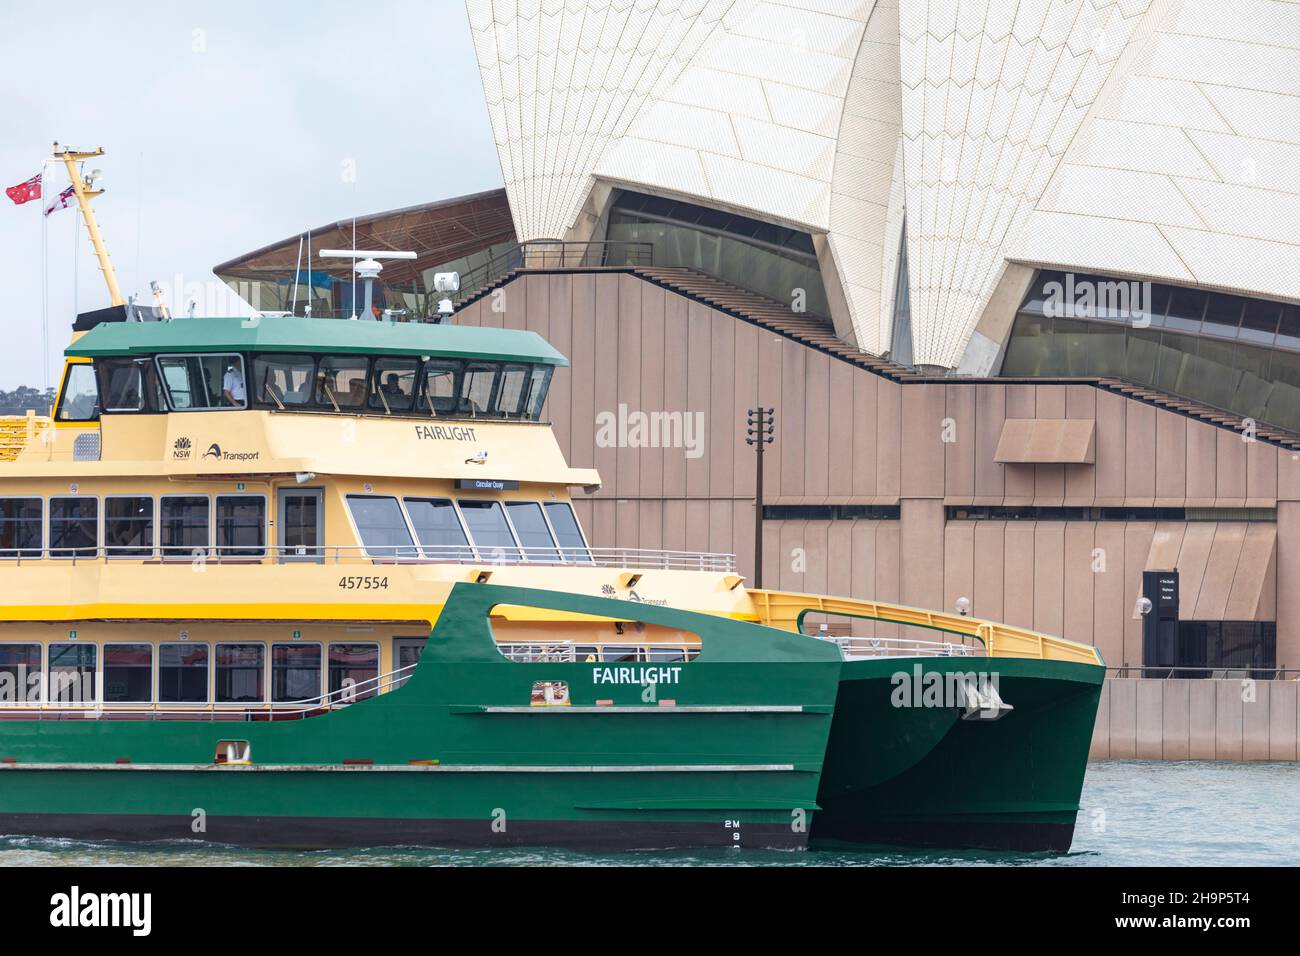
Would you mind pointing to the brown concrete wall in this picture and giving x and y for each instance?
(847, 436)
(1197, 720)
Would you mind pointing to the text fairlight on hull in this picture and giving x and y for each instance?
(326, 580)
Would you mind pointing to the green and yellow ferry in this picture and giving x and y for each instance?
(295, 582)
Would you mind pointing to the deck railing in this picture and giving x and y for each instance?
(857, 648)
(633, 558)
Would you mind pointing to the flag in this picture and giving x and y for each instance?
(62, 201)
(25, 192)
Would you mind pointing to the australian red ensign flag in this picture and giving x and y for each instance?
(25, 192)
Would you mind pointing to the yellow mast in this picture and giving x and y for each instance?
(70, 159)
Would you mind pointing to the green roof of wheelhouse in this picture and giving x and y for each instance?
(316, 336)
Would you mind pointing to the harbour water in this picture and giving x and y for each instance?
(1135, 813)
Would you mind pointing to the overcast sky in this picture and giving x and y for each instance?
(227, 126)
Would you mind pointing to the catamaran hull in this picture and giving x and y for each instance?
(913, 772)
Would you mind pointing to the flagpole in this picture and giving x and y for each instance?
(45, 286)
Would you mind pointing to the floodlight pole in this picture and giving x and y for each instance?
(762, 432)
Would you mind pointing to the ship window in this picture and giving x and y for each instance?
(514, 389)
(394, 384)
(20, 527)
(74, 527)
(341, 382)
(283, 380)
(295, 673)
(441, 386)
(20, 673)
(241, 526)
(354, 669)
(183, 673)
(72, 673)
(438, 528)
(128, 673)
(241, 673)
(80, 399)
(196, 382)
(531, 529)
(381, 526)
(183, 525)
(567, 533)
(538, 383)
(128, 527)
(477, 388)
(129, 385)
(488, 528)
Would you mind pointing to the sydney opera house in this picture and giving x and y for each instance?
(1021, 282)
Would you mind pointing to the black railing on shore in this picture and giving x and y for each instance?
(554, 254)
(1204, 673)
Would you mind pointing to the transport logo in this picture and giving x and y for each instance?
(181, 449)
(215, 451)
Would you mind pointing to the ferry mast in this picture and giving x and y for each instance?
(85, 192)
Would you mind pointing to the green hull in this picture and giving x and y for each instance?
(926, 777)
(457, 757)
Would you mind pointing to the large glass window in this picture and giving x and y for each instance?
(184, 525)
(283, 381)
(72, 673)
(1227, 645)
(353, 671)
(20, 673)
(295, 673)
(393, 389)
(241, 673)
(74, 527)
(514, 390)
(441, 387)
(567, 531)
(183, 673)
(341, 382)
(128, 527)
(382, 527)
(129, 385)
(488, 528)
(531, 529)
(80, 399)
(128, 673)
(20, 527)
(200, 382)
(539, 382)
(241, 526)
(477, 388)
(438, 528)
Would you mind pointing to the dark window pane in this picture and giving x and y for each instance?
(183, 525)
(283, 380)
(80, 399)
(567, 531)
(128, 527)
(393, 389)
(74, 527)
(532, 531)
(1259, 325)
(353, 671)
(128, 673)
(341, 381)
(240, 673)
(72, 673)
(241, 526)
(183, 673)
(488, 528)
(1223, 315)
(20, 527)
(20, 673)
(438, 528)
(295, 673)
(382, 528)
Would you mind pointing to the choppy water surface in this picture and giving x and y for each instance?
(1134, 813)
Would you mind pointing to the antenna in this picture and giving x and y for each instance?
(366, 266)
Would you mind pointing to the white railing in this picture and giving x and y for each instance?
(856, 648)
(635, 558)
(553, 652)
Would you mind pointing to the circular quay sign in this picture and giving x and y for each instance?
(849, 446)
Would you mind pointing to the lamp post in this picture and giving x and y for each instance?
(762, 432)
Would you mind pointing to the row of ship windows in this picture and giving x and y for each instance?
(186, 672)
(387, 527)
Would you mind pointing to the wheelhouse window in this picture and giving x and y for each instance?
(203, 382)
(567, 532)
(74, 527)
(295, 673)
(488, 528)
(20, 673)
(441, 387)
(341, 382)
(72, 673)
(128, 527)
(353, 671)
(20, 527)
(129, 385)
(514, 390)
(184, 522)
(283, 381)
(394, 385)
(381, 526)
(539, 382)
(80, 399)
(478, 388)
(183, 673)
(531, 529)
(128, 673)
(241, 673)
(438, 528)
(241, 526)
